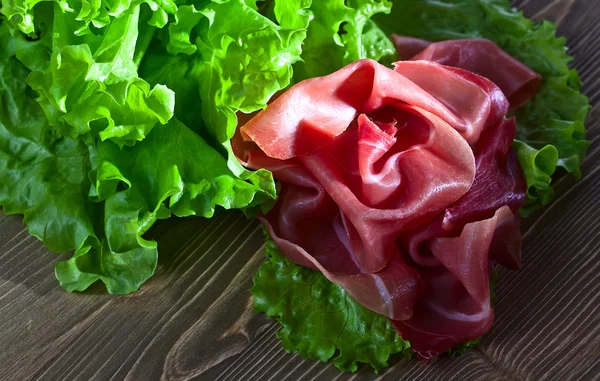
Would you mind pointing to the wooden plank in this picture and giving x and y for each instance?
(193, 321)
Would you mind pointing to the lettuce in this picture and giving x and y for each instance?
(116, 114)
(42, 174)
(99, 199)
(319, 320)
(23, 13)
(91, 83)
(342, 32)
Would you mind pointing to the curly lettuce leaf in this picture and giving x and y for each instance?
(42, 174)
(20, 13)
(341, 32)
(183, 75)
(173, 171)
(202, 57)
(7, 43)
(127, 126)
(319, 320)
(99, 157)
(23, 16)
(538, 167)
(99, 199)
(462, 348)
(553, 120)
(244, 63)
(34, 53)
(91, 84)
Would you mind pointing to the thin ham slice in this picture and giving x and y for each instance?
(408, 47)
(347, 204)
(399, 185)
(455, 306)
(499, 179)
(475, 98)
(315, 111)
(481, 56)
(379, 206)
(486, 228)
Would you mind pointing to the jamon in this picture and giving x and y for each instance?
(480, 56)
(312, 113)
(399, 185)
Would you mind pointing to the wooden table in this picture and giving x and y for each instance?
(193, 319)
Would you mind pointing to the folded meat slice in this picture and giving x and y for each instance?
(391, 292)
(341, 208)
(399, 185)
(481, 56)
(455, 306)
(475, 98)
(313, 112)
(499, 179)
(407, 47)
(378, 206)
(454, 252)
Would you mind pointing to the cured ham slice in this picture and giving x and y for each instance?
(408, 47)
(315, 111)
(486, 230)
(475, 98)
(455, 306)
(346, 206)
(480, 56)
(400, 185)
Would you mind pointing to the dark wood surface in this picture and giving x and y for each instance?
(193, 319)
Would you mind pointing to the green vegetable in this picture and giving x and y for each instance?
(98, 199)
(553, 121)
(136, 102)
(460, 349)
(91, 83)
(42, 174)
(341, 32)
(319, 320)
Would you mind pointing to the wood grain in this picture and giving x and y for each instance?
(193, 320)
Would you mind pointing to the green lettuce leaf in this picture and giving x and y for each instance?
(341, 32)
(23, 14)
(7, 42)
(42, 174)
(99, 199)
(201, 59)
(462, 348)
(319, 320)
(538, 167)
(173, 171)
(553, 120)
(34, 53)
(265, 51)
(91, 84)
(20, 13)
(100, 154)
(183, 75)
